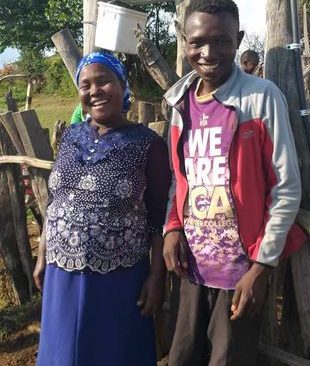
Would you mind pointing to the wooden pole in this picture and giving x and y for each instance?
(29, 95)
(182, 64)
(89, 25)
(306, 31)
(68, 50)
(279, 63)
(33, 162)
(154, 63)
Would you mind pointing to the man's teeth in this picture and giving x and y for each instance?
(100, 102)
(209, 67)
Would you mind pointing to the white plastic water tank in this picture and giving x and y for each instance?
(115, 26)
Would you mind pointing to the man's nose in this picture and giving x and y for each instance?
(205, 51)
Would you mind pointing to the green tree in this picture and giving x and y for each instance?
(29, 24)
(31, 62)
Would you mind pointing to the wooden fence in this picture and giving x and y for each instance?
(22, 140)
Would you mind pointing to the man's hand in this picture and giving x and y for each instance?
(152, 295)
(250, 293)
(175, 253)
(39, 271)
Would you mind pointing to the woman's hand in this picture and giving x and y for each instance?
(152, 294)
(250, 293)
(39, 271)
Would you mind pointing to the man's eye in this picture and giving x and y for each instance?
(196, 44)
(222, 42)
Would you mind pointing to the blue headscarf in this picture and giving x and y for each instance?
(113, 64)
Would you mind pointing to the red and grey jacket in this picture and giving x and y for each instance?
(265, 181)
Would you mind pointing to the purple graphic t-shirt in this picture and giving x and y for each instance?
(216, 256)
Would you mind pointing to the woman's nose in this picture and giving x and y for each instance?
(93, 89)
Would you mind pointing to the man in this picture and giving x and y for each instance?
(234, 197)
(249, 61)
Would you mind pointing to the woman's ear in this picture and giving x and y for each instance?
(123, 84)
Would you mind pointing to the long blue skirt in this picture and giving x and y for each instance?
(90, 319)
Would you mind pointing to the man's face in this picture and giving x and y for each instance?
(249, 65)
(211, 44)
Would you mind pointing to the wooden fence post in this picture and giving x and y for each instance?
(146, 112)
(14, 242)
(280, 63)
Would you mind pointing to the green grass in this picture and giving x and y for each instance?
(50, 109)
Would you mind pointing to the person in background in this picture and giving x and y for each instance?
(108, 196)
(234, 197)
(249, 61)
(78, 116)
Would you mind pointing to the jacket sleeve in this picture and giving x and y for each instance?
(172, 222)
(282, 175)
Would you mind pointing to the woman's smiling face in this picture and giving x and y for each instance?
(101, 94)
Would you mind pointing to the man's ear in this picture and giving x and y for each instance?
(240, 38)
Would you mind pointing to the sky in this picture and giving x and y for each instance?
(252, 15)
(252, 20)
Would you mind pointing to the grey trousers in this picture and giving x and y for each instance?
(204, 333)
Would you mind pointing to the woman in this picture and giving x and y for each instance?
(109, 188)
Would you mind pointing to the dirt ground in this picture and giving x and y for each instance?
(18, 346)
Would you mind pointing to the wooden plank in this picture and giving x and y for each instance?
(282, 356)
(14, 242)
(9, 124)
(36, 146)
(33, 162)
(32, 135)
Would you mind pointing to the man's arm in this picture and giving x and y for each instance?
(282, 200)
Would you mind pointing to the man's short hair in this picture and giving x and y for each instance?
(249, 54)
(213, 7)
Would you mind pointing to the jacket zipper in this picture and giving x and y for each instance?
(232, 191)
(181, 137)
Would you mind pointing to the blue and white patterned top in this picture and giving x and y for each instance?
(108, 195)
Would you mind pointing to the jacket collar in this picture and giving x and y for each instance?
(228, 93)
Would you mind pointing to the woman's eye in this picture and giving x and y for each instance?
(83, 87)
(104, 82)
